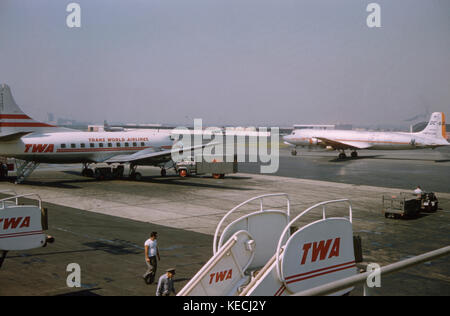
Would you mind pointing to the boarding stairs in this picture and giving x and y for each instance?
(24, 169)
(256, 255)
(22, 226)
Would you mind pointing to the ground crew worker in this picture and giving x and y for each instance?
(418, 191)
(151, 253)
(165, 284)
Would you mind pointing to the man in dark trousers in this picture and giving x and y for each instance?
(151, 254)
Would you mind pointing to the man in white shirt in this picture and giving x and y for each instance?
(418, 191)
(151, 253)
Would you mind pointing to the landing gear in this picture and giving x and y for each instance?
(133, 174)
(87, 172)
(342, 155)
(294, 152)
(354, 154)
(163, 172)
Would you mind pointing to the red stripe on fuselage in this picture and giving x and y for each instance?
(24, 124)
(80, 150)
(15, 117)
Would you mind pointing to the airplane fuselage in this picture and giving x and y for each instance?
(369, 140)
(84, 147)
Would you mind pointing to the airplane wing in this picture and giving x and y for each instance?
(344, 144)
(13, 136)
(150, 156)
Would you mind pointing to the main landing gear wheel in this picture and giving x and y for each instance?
(294, 152)
(354, 154)
(136, 176)
(87, 173)
(163, 172)
(133, 174)
(342, 156)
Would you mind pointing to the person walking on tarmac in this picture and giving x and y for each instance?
(165, 284)
(151, 254)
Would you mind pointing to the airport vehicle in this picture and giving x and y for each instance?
(409, 205)
(22, 226)
(34, 142)
(257, 255)
(403, 205)
(218, 167)
(433, 136)
(430, 202)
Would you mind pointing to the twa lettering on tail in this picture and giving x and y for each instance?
(320, 250)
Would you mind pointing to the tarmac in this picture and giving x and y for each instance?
(102, 226)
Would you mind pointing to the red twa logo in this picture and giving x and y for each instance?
(13, 222)
(221, 276)
(39, 148)
(320, 250)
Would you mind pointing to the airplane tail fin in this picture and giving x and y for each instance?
(436, 127)
(13, 121)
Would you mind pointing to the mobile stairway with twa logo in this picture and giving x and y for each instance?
(257, 255)
(22, 226)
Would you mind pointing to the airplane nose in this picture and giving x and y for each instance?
(287, 138)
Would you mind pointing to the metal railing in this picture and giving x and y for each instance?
(261, 209)
(16, 198)
(223, 251)
(336, 286)
(281, 241)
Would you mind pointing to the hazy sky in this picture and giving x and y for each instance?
(241, 62)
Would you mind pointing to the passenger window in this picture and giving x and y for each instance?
(134, 144)
(109, 144)
(73, 146)
(63, 145)
(142, 144)
(100, 145)
(118, 144)
(82, 145)
(127, 145)
(92, 145)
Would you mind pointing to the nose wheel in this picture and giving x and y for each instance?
(294, 152)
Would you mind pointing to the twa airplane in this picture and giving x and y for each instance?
(434, 135)
(34, 142)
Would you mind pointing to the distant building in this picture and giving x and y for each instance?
(96, 128)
